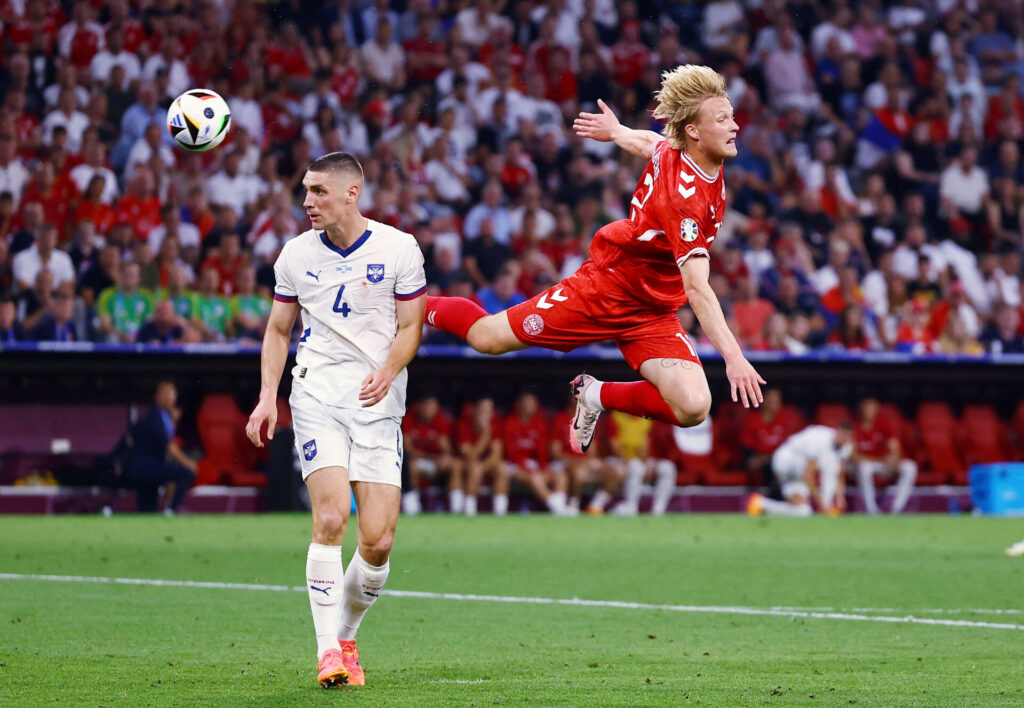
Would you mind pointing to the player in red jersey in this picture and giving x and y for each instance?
(877, 451)
(427, 433)
(641, 270)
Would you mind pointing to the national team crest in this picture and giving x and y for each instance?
(533, 324)
(689, 230)
(375, 272)
(309, 450)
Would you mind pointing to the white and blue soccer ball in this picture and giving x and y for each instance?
(199, 119)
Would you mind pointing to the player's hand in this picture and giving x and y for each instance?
(597, 126)
(264, 412)
(375, 387)
(744, 382)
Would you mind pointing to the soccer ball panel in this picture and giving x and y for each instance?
(199, 119)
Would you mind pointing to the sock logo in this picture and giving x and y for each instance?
(325, 591)
(367, 592)
(430, 317)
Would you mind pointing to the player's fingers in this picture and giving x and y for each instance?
(755, 394)
(603, 106)
(732, 387)
(271, 425)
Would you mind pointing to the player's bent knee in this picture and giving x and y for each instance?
(376, 551)
(692, 409)
(328, 527)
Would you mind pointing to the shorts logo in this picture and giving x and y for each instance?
(375, 272)
(533, 325)
(309, 450)
(689, 230)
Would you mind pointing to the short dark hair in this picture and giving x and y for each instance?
(337, 162)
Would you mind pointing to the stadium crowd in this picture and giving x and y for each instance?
(876, 203)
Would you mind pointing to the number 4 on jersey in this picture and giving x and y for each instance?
(340, 306)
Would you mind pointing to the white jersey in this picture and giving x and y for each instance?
(349, 317)
(815, 442)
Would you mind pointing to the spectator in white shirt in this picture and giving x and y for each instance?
(81, 21)
(448, 177)
(43, 254)
(13, 174)
(115, 55)
(567, 28)
(96, 164)
(544, 220)
(383, 59)
(145, 147)
(246, 111)
(836, 26)
(67, 78)
(178, 80)
(66, 114)
(462, 67)
(476, 23)
(171, 225)
(963, 186)
(491, 209)
(230, 188)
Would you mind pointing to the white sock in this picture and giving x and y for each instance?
(470, 507)
(905, 485)
(600, 500)
(592, 396)
(664, 487)
(411, 503)
(500, 504)
(773, 507)
(324, 585)
(634, 478)
(866, 482)
(829, 480)
(556, 502)
(574, 503)
(363, 583)
(456, 501)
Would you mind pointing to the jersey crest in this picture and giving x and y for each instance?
(309, 450)
(375, 272)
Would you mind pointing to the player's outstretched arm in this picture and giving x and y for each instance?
(604, 127)
(744, 381)
(275, 353)
(403, 349)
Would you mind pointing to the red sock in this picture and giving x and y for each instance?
(454, 315)
(637, 398)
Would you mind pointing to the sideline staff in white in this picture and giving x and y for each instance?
(359, 284)
(809, 466)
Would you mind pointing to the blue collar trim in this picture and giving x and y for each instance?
(344, 252)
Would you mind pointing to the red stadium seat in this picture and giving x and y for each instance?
(1017, 432)
(832, 414)
(222, 432)
(938, 454)
(983, 436)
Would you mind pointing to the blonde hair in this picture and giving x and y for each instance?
(682, 92)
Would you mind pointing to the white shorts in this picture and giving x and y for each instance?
(789, 471)
(366, 444)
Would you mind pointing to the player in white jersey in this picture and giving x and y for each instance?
(360, 287)
(809, 466)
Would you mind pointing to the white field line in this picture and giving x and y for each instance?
(821, 613)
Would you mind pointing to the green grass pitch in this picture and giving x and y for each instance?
(107, 644)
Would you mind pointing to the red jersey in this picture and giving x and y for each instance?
(465, 434)
(526, 440)
(675, 213)
(427, 436)
(873, 442)
(764, 438)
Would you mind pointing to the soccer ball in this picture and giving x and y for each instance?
(199, 120)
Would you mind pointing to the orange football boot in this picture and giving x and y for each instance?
(331, 670)
(350, 655)
(754, 507)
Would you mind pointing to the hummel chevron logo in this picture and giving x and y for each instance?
(315, 276)
(430, 318)
(325, 591)
(687, 193)
(688, 178)
(556, 296)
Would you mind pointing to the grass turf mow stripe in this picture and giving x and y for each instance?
(574, 602)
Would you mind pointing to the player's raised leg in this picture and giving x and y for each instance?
(368, 570)
(329, 496)
(488, 334)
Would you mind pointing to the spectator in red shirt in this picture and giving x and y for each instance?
(914, 333)
(429, 453)
(479, 440)
(526, 450)
(226, 259)
(140, 205)
(629, 55)
(761, 434)
(877, 452)
(55, 194)
(849, 333)
(425, 57)
(750, 310)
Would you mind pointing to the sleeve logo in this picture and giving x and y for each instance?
(689, 230)
(309, 450)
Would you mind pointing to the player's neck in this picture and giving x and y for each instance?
(708, 165)
(348, 230)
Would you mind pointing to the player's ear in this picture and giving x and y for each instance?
(691, 130)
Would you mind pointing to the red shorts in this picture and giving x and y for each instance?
(586, 308)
